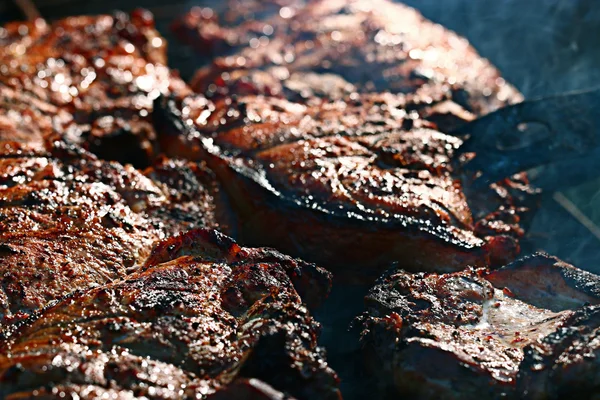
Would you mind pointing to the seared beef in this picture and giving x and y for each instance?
(524, 330)
(352, 184)
(565, 363)
(332, 48)
(70, 221)
(93, 79)
(202, 313)
(223, 31)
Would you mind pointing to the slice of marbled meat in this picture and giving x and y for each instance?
(301, 49)
(70, 221)
(90, 78)
(526, 330)
(352, 184)
(202, 314)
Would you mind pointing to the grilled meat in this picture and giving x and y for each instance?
(475, 334)
(565, 363)
(69, 221)
(228, 29)
(352, 184)
(202, 313)
(92, 79)
(333, 48)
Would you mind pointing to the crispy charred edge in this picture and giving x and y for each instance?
(172, 128)
(178, 137)
(545, 359)
(8, 329)
(310, 281)
(53, 146)
(584, 281)
(541, 279)
(204, 244)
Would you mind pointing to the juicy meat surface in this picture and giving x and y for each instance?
(92, 79)
(203, 313)
(523, 331)
(352, 184)
(332, 48)
(70, 221)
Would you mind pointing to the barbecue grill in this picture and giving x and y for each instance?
(543, 48)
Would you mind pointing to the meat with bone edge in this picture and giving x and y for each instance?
(352, 185)
(91, 78)
(526, 330)
(202, 314)
(69, 221)
(333, 48)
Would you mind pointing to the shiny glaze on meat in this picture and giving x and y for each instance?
(70, 221)
(332, 48)
(565, 363)
(92, 79)
(201, 313)
(352, 184)
(474, 334)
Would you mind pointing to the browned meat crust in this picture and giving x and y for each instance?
(484, 335)
(566, 362)
(352, 184)
(92, 79)
(183, 327)
(70, 221)
(332, 48)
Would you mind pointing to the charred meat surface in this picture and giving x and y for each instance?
(333, 48)
(70, 221)
(352, 184)
(92, 79)
(515, 332)
(566, 362)
(202, 314)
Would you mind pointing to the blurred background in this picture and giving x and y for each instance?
(541, 46)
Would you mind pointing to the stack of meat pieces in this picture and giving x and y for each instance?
(200, 314)
(86, 308)
(320, 128)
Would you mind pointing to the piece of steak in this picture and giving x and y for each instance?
(202, 313)
(352, 184)
(525, 330)
(90, 78)
(333, 48)
(70, 221)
